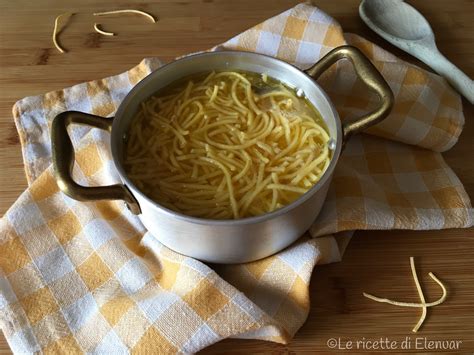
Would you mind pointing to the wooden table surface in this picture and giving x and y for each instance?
(375, 261)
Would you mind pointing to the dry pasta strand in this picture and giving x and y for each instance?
(422, 304)
(420, 294)
(57, 30)
(133, 11)
(413, 304)
(102, 32)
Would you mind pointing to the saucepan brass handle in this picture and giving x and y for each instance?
(63, 161)
(369, 75)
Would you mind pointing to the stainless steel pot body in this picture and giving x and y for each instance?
(219, 241)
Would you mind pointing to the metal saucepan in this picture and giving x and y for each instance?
(221, 241)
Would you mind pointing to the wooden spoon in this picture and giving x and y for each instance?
(403, 26)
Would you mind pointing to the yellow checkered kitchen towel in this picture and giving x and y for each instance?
(87, 277)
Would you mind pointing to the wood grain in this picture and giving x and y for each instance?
(375, 262)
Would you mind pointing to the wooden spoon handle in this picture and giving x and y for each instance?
(456, 77)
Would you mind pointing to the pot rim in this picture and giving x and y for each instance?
(230, 222)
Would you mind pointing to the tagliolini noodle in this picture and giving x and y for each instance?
(219, 148)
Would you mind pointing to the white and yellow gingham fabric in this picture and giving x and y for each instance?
(87, 277)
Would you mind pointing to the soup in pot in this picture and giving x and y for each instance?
(226, 145)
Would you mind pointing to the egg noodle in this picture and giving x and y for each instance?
(222, 148)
